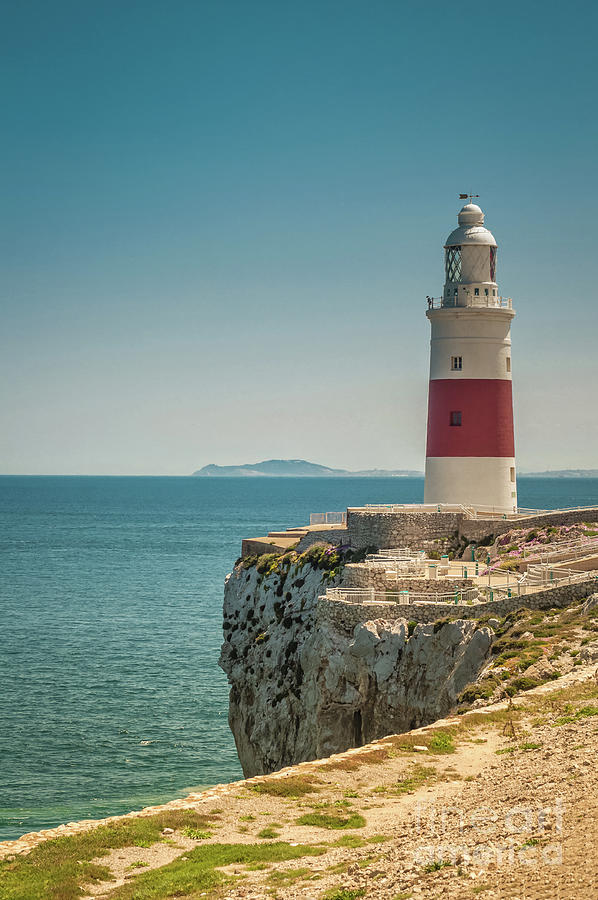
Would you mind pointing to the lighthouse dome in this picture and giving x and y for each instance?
(471, 228)
(470, 215)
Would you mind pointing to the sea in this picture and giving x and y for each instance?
(111, 698)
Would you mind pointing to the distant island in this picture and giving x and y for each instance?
(297, 468)
(563, 473)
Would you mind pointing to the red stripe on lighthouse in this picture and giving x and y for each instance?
(486, 407)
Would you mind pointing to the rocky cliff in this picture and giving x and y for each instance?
(302, 686)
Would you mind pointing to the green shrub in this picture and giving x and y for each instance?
(476, 692)
(293, 786)
(196, 834)
(267, 563)
(341, 893)
(523, 683)
(323, 820)
(441, 742)
(268, 832)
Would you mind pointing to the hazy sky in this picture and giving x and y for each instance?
(220, 221)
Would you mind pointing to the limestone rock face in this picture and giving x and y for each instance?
(303, 687)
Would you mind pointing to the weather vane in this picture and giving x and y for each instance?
(469, 197)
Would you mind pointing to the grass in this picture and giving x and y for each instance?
(293, 786)
(349, 840)
(441, 742)
(527, 745)
(331, 821)
(286, 877)
(198, 873)
(582, 713)
(415, 779)
(342, 893)
(57, 869)
(436, 865)
(270, 831)
(197, 834)
(352, 763)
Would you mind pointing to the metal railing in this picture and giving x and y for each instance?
(472, 300)
(548, 576)
(520, 587)
(568, 550)
(402, 568)
(415, 507)
(369, 595)
(328, 518)
(534, 512)
(471, 512)
(401, 553)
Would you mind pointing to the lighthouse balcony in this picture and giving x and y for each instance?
(464, 302)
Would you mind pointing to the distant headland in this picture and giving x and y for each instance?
(563, 473)
(298, 468)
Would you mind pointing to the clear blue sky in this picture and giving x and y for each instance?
(220, 221)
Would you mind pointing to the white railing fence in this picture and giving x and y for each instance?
(569, 550)
(471, 300)
(369, 595)
(328, 518)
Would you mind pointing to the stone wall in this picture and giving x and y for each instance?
(258, 546)
(387, 530)
(360, 575)
(333, 536)
(346, 614)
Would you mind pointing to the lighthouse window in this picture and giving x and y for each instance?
(456, 417)
(456, 363)
(512, 473)
(508, 363)
(492, 263)
(453, 263)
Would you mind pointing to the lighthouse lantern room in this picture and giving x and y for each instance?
(470, 455)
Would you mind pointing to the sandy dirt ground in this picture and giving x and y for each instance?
(512, 813)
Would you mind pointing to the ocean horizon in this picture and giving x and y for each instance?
(111, 596)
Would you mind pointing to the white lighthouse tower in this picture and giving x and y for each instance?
(470, 455)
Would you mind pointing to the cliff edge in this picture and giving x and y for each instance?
(306, 682)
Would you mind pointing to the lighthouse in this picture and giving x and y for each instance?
(470, 453)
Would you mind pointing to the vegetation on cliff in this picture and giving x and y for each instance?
(326, 559)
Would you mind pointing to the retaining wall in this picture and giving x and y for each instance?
(333, 536)
(360, 575)
(345, 615)
(386, 530)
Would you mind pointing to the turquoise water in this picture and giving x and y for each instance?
(111, 593)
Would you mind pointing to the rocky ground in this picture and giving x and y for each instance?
(499, 802)
(510, 549)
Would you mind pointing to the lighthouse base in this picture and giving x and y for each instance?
(486, 482)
